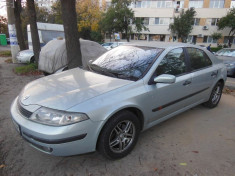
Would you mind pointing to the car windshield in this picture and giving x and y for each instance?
(126, 62)
(226, 52)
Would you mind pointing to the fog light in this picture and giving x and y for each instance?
(47, 149)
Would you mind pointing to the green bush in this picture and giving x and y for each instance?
(215, 49)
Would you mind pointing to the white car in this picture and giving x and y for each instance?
(115, 44)
(107, 45)
(25, 56)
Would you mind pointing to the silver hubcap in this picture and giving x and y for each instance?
(122, 136)
(216, 95)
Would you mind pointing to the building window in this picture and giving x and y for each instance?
(216, 3)
(214, 21)
(196, 3)
(210, 40)
(156, 20)
(205, 38)
(190, 39)
(196, 21)
(162, 21)
(154, 4)
(146, 21)
(226, 38)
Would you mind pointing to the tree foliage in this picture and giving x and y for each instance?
(183, 24)
(56, 13)
(228, 21)
(88, 18)
(216, 36)
(89, 14)
(120, 18)
(3, 25)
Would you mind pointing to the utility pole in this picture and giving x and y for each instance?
(12, 30)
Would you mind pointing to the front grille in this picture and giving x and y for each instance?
(24, 111)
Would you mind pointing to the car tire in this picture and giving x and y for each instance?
(119, 135)
(32, 60)
(215, 95)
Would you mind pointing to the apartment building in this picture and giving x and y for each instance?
(158, 14)
(45, 3)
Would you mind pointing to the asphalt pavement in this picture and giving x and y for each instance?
(4, 48)
(230, 83)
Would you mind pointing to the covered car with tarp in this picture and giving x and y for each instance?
(53, 55)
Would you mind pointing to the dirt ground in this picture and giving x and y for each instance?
(199, 142)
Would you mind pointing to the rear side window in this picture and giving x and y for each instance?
(173, 63)
(198, 59)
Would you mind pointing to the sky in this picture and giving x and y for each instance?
(3, 9)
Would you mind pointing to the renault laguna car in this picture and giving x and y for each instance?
(125, 91)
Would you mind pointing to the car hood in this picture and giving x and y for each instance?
(64, 90)
(226, 59)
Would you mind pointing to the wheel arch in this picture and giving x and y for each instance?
(139, 114)
(222, 81)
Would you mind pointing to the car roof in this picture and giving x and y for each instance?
(161, 44)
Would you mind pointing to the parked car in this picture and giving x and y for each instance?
(25, 56)
(107, 45)
(228, 57)
(125, 91)
(53, 56)
(115, 44)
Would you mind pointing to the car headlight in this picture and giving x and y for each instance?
(231, 64)
(57, 118)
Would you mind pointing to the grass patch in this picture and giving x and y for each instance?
(26, 69)
(5, 53)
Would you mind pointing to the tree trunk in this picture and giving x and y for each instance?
(19, 32)
(34, 29)
(127, 35)
(69, 17)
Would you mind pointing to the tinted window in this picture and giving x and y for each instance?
(126, 62)
(198, 58)
(173, 63)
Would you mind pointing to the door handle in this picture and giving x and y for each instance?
(187, 83)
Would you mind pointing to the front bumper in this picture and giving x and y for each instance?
(67, 140)
(23, 59)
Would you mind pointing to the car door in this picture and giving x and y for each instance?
(165, 99)
(203, 73)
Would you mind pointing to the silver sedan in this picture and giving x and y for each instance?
(125, 91)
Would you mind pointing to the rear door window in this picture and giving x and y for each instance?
(198, 59)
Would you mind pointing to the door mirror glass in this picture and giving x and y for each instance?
(165, 78)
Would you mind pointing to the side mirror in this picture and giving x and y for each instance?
(165, 78)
